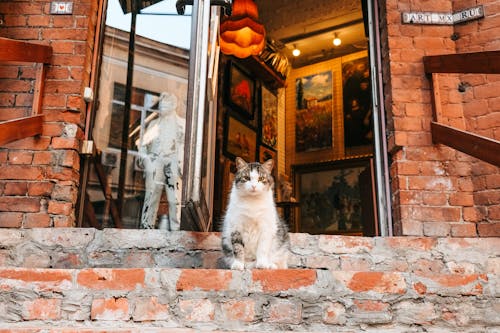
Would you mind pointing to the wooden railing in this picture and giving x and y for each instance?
(25, 52)
(481, 147)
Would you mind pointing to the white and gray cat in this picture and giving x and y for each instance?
(253, 235)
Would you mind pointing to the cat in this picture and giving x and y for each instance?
(252, 231)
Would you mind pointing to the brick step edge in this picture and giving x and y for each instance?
(209, 299)
(79, 248)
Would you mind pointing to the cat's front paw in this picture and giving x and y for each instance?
(263, 264)
(238, 265)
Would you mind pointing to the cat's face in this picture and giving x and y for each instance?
(253, 178)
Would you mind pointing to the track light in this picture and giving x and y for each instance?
(336, 40)
(296, 51)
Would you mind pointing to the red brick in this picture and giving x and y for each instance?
(284, 311)
(203, 279)
(463, 230)
(149, 309)
(14, 85)
(112, 279)
(20, 157)
(370, 305)
(16, 188)
(37, 279)
(65, 143)
(64, 34)
(21, 172)
(19, 204)
(39, 220)
(11, 220)
(42, 309)
(64, 221)
(380, 282)
(283, 279)
(239, 310)
(60, 207)
(38, 20)
(40, 188)
(421, 243)
(22, 8)
(488, 229)
(63, 21)
(197, 310)
(110, 309)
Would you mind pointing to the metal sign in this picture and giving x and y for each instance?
(443, 18)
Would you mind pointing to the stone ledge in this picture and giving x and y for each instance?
(121, 248)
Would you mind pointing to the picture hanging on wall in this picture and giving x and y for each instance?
(239, 140)
(240, 91)
(313, 112)
(269, 118)
(358, 124)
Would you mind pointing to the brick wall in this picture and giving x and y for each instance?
(86, 280)
(39, 177)
(438, 191)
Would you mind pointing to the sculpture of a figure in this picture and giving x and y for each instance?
(161, 152)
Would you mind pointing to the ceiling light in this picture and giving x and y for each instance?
(296, 51)
(336, 40)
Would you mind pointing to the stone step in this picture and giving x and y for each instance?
(115, 248)
(303, 300)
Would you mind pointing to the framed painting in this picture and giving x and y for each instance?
(313, 112)
(239, 140)
(357, 101)
(240, 90)
(266, 154)
(269, 118)
(228, 172)
(336, 197)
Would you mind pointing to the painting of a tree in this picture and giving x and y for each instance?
(313, 114)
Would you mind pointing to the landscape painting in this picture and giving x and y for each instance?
(313, 112)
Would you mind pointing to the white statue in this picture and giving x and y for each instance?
(160, 151)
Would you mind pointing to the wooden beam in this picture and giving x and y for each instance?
(479, 62)
(20, 128)
(475, 145)
(17, 50)
(38, 92)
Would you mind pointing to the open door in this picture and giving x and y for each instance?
(151, 129)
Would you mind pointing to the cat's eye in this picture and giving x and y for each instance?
(262, 179)
(246, 178)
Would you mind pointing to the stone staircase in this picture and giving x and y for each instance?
(87, 280)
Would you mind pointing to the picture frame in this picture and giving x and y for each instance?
(240, 90)
(269, 118)
(314, 112)
(239, 139)
(357, 103)
(265, 154)
(336, 197)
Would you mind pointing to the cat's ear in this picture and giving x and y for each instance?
(268, 165)
(240, 163)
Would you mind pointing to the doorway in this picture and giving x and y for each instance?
(290, 118)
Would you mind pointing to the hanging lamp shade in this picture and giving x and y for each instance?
(241, 34)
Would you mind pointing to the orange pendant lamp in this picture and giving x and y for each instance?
(241, 34)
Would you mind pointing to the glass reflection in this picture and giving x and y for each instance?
(157, 119)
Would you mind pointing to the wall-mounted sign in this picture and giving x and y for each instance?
(61, 8)
(443, 18)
